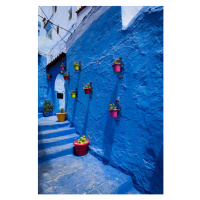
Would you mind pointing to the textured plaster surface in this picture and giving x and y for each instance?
(60, 171)
(42, 80)
(135, 144)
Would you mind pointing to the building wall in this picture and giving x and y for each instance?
(135, 143)
(42, 81)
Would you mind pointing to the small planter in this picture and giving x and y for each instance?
(87, 90)
(61, 116)
(46, 114)
(48, 76)
(62, 66)
(66, 77)
(113, 113)
(116, 68)
(73, 94)
(76, 67)
(81, 149)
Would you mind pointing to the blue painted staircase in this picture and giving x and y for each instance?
(62, 172)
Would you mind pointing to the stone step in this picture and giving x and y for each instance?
(57, 141)
(55, 132)
(50, 123)
(54, 152)
(40, 115)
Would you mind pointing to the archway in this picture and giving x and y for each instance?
(59, 93)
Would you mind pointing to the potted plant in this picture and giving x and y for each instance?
(113, 110)
(117, 66)
(65, 76)
(61, 116)
(87, 88)
(81, 146)
(47, 107)
(48, 76)
(73, 94)
(62, 66)
(76, 66)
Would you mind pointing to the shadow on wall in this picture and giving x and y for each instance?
(109, 130)
(157, 179)
(86, 119)
(75, 103)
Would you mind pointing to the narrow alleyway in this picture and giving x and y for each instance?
(60, 171)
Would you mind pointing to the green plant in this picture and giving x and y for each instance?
(72, 92)
(48, 75)
(87, 86)
(65, 74)
(76, 63)
(112, 106)
(82, 140)
(62, 110)
(47, 106)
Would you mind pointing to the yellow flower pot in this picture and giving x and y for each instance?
(73, 95)
(61, 116)
(76, 67)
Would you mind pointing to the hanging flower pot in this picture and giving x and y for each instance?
(81, 146)
(48, 76)
(87, 88)
(61, 115)
(65, 76)
(62, 66)
(76, 66)
(73, 94)
(113, 110)
(117, 66)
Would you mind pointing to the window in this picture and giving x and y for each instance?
(70, 14)
(59, 95)
(49, 35)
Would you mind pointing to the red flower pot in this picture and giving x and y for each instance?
(116, 68)
(113, 113)
(48, 77)
(62, 68)
(87, 91)
(81, 148)
(66, 77)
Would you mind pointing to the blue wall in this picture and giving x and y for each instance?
(42, 81)
(135, 144)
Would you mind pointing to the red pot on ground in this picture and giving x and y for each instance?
(48, 77)
(116, 67)
(113, 113)
(81, 149)
(66, 77)
(87, 91)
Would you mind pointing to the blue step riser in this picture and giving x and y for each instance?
(55, 155)
(52, 127)
(58, 143)
(56, 134)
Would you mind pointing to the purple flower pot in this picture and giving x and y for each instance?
(116, 68)
(113, 113)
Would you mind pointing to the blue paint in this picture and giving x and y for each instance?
(135, 144)
(42, 81)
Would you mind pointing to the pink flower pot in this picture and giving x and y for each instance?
(87, 91)
(48, 77)
(66, 77)
(62, 68)
(116, 68)
(81, 149)
(113, 113)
